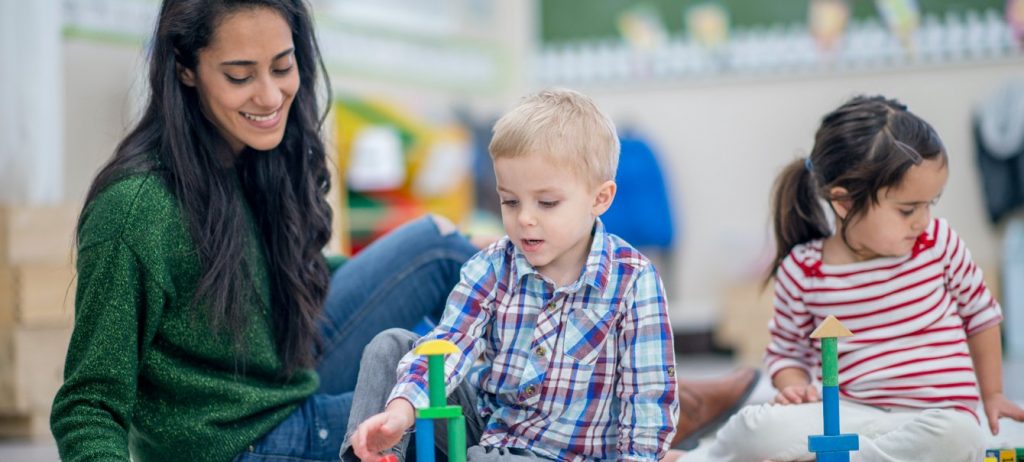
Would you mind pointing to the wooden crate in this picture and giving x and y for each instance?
(31, 368)
(746, 310)
(37, 295)
(37, 235)
(35, 425)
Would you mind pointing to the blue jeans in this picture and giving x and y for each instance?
(395, 282)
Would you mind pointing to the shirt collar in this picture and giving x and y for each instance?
(595, 270)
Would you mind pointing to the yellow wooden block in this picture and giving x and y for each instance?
(436, 347)
(1007, 455)
(37, 295)
(37, 235)
(831, 327)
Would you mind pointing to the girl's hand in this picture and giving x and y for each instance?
(383, 431)
(797, 394)
(996, 406)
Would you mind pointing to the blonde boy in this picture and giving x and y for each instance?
(568, 322)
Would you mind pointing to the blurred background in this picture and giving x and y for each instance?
(711, 98)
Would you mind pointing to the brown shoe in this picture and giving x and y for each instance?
(704, 405)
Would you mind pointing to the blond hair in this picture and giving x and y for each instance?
(565, 125)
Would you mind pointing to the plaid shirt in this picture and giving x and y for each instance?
(579, 373)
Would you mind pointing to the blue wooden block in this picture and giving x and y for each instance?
(830, 408)
(829, 443)
(425, 440)
(834, 456)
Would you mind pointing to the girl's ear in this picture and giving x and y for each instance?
(840, 203)
(603, 198)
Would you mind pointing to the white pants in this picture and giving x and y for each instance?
(779, 432)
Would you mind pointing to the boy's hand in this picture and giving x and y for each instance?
(383, 431)
(996, 406)
(796, 394)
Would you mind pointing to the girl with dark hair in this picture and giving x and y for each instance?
(925, 326)
(202, 289)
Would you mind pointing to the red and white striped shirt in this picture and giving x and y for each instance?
(910, 317)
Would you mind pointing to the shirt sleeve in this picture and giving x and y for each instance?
(466, 316)
(975, 304)
(92, 410)
(647, 390)
(790, 326)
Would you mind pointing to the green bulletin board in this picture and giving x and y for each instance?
(567, 20)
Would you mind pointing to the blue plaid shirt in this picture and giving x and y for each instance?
(579, 373)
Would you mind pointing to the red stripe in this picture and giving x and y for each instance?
(902, 363)
(875, 297)
(892, 352)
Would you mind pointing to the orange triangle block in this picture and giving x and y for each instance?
(831, 327)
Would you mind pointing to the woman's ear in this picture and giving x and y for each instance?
(838, 198)
(186, 75)
(603, 198)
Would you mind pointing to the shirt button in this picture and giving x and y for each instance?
(671, 371)
(541, 352)
(323, 433)
(551, 305)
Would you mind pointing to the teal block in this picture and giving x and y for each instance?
(834, 456)
(826, 443)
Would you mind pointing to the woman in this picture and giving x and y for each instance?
(207, 325)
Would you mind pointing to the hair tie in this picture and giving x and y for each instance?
(808, 164)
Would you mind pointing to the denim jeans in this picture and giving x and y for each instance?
(395, 282)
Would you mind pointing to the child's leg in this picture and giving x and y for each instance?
(768, 431)
(933, 434)
(378, 375)
(482, 454)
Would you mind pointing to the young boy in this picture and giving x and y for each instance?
(568, 322)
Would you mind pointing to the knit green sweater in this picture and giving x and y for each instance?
(144, 371)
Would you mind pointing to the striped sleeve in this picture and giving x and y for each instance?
(791, 325)
(975, 304)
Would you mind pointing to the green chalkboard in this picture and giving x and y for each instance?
(566, 20)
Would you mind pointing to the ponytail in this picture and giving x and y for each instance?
(797, 215)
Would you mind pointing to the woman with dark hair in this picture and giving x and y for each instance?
(207, 324)
(201, 278)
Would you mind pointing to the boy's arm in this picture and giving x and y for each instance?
(466, 316)
(646, 387)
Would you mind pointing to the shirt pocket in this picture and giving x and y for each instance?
(586, 333)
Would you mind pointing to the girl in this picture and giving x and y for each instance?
(925, 326)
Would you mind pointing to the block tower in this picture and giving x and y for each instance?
(832, 446)
(435, 350)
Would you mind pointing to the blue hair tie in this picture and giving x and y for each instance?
(808, 165)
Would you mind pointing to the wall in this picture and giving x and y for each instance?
(723, 142)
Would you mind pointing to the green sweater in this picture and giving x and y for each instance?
(143, 369)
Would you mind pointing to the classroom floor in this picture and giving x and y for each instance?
(1011, 434)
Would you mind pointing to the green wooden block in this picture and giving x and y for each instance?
(442, 412)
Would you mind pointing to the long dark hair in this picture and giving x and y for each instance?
(284, 187)
(863, 146)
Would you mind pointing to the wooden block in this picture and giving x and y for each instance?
(746, 310)
(34, 425)
(37, 295)
(31, 368)
(40, 235)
